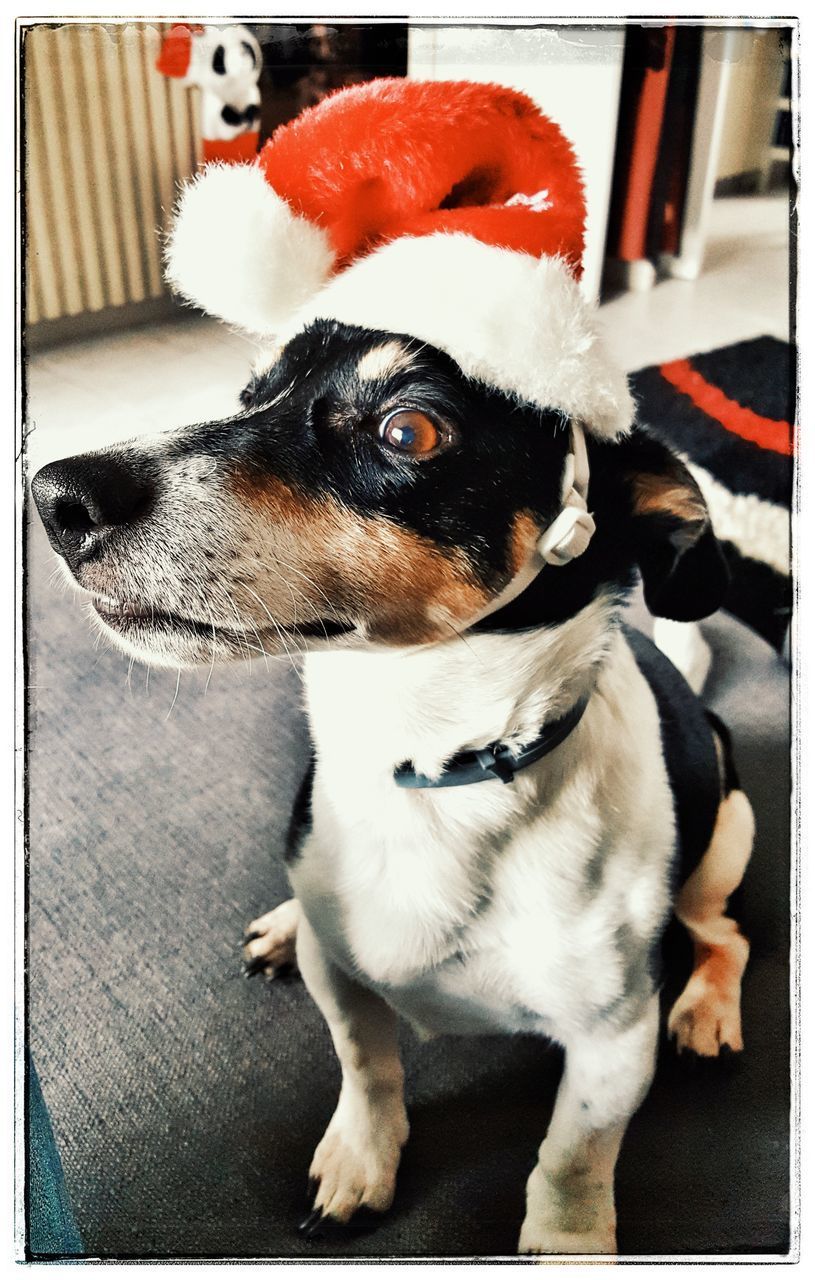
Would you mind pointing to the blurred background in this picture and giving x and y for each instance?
(109, 138)
(683, 134)
(185, 1102)
(698, 113)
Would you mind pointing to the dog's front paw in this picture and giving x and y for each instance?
(269, 943)
(355, 1165)
(565, 1215)
(536, 1238)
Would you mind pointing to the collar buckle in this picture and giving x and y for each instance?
(497, 761)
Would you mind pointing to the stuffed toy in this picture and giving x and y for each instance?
(453, 212)
(225, 64)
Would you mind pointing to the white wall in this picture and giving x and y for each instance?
(572, 73)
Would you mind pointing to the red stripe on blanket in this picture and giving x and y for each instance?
(768, 433)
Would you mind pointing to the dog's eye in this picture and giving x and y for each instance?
(409, 431)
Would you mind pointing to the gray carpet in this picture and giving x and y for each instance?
(187, 1102)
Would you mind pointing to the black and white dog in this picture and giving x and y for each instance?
(376, 509)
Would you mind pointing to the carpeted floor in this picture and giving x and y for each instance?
(187, 1101)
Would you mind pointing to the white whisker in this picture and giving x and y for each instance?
(175, 695)
(277, 628)
(460, 636)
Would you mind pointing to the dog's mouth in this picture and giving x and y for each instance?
(130, 617)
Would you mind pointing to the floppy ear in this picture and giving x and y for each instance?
(684, 571)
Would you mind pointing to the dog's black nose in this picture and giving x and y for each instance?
(82, 499)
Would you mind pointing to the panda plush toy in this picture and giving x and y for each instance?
(225, 64)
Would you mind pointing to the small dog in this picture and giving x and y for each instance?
(510, 790)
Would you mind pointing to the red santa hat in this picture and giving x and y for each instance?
(452, 212)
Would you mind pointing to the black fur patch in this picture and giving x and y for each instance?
(759, 595)
(301, 816)
(689, 751)
(608, 564)
(311, 422)
(680, 582)
(731, 777)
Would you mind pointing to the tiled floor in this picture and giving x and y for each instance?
(91, 393)
(743, 291)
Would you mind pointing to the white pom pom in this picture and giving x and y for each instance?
(237, 250)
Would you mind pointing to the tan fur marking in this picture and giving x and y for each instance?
(524, 536)
(404, 589)
(669, 494)
(383, 361)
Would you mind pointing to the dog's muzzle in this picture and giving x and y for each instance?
(83, 500)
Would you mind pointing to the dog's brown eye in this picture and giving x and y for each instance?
(411, 432)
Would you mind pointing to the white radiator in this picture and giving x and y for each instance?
(107, 141)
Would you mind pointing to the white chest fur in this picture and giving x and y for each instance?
(489, 906)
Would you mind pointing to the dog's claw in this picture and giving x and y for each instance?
(254, 966)
(309, 1227)
(250, 937)
(320, 1226)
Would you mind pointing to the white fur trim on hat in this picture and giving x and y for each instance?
(516, 322)
(237, 250)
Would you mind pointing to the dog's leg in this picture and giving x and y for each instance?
(269, 942)
(707, 1015)
(355, 1163)
(570, 1193)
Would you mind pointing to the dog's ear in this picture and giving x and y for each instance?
(684, 571)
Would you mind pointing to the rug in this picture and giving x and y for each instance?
(729, 413)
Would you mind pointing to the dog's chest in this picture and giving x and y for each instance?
(484, 907)
(484, 918)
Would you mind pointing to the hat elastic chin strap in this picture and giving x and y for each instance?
(569, 533)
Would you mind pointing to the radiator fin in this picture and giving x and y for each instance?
(108, 142)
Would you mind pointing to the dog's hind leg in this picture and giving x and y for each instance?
(355, 1164)
(707, 1015)
(269, 943)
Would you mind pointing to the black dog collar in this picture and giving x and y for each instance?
(495, 761)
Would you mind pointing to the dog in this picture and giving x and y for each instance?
(511, 791)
